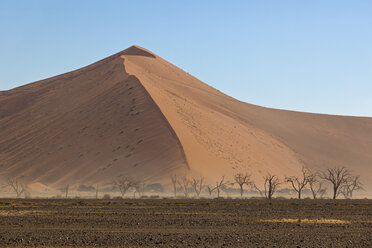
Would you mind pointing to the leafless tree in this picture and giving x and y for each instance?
(219, 185)
(198, 185)
(299, 183)
(65, 189)
(139, 187)
(339, 177)
(243, 179)
(123, 184)
(315, 185)
(210, 190)
(262, 194)
(3, 186)
(174, 183)
(18, 187)
(351, 185)
(271, 184)
(97, 191)
(184, 185)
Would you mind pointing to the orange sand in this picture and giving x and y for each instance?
(136, 114)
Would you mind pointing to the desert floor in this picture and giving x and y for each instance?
(179, 223)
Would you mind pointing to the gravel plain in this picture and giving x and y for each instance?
(185, 223)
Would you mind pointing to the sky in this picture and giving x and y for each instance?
(311, 56)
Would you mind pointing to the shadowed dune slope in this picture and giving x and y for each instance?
(135, 113)
(86, 126)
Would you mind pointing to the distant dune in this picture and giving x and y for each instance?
(136, 114)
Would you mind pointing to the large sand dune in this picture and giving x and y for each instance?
(136, 114)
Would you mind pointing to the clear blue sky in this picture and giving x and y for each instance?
(313, 56)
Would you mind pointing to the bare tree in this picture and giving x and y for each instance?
(299, 183)
(219, 185)
(198, 185)
(184, 184)
(271, 184)
(97, 191)
(338, 177)
(18, 187)
(65, 189)
(315, 185)
(123, 184)
(351, 185)
(243, 179)
(262, 194)
(174, 183)
(210, 190)
(139, 187)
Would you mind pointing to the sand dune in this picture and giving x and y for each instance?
(136, 114)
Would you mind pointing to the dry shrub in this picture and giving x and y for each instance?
(106, 197)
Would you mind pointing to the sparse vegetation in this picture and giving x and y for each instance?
(210, 190)
(299, 183)
(219, 185)
(139, 188)
(352, 184)
(123, 184)
(184, 184)
(243, 179)
(66, 189)
(154, 188)
(106, 197)
(198, 185)
(271, 184)
(174, 183)
(307, 183)
(342, 181)
(17, 186)
(315, 185)
(85, 188)
(96, 189)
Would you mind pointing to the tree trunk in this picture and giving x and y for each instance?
(269, 194)
(334, 193)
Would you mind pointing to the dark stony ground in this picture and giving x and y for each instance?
(185, 223)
